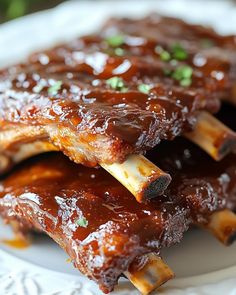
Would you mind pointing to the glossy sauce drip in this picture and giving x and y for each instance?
(17, 243)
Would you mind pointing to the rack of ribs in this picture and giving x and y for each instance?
(92, 217)
(107, 98)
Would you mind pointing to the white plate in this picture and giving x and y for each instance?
(201, 264)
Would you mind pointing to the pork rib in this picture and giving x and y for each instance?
(90, 215)
(99, 106)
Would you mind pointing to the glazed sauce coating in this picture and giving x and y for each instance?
(69, 86)
(90, 214)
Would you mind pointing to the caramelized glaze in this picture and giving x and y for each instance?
(86, 211)
(95, 219)
(126, 120)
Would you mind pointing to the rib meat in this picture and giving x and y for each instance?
(65, 96)
(93, 217)
(207, 50)
(89, 214)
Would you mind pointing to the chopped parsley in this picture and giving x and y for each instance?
(178, 52)
(144, 88)
(115, 41)
(83, 222)
(53, 90)
(117, 83)
(186, 82)
(164, 54)
(183, 74)
(119, 51)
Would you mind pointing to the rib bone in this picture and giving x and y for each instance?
(154, 274)
(223, 225)
(213, 136)
(141, 177)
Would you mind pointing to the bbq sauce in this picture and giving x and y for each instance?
(17, 243)
(85, 210)
(133, 99)
(90, 214)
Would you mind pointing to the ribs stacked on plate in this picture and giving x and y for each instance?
(105, 100)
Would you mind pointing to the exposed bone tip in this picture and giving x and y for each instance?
(213, 136)
(4, 163)
(228, 145)
(231, 239)
(155, 188)
(140, 176)
(154, 274)
(223, 225)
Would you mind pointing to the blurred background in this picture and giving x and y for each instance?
(10, 9)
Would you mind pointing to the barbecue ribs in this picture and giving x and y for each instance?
(105, 99)
(119, 92)
(91, 216)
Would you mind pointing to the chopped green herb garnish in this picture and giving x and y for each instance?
(119, 51)
(117, 83)
(207, 43)
(164, 54)
(183, 74)
(144, 88)
(83, 222)
(178, 52)
(116, 40)
(53, 90)
(186, 82)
